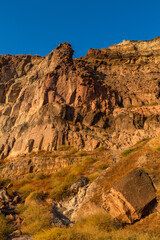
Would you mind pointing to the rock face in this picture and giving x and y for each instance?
(132, 197)
(109, 96)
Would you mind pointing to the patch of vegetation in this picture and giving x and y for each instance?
(32, 153)
(93, 177)
(73, 150)
(95, 227)
(143, 140)
(36, 218)
(5, 227)
(4, 182)
(103, 166)
(81, 154)
(61, 189)
(25, 190)
(151, 104)
(104, 134)
(127, 152)
(86, 130)
(88, 159)
(36, 196)
(150, 224)
(39, 176)
(64, 148)
(101, 149)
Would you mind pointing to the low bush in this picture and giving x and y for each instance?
(92, 177)
(61, 188)
(39, 176)
(64, 148)
(25, 190)
(94, 227)
(4, 182)
(81, 154)
(36, 196)
(5, 227)
(99, 221)
(127, 152)
(102, 166)
(36, 218)
(143, 140)
(88, 160)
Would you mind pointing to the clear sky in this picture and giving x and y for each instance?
(37, 27)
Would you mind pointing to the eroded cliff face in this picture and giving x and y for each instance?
(109, 97)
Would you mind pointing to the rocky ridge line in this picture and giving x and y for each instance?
(108, 98)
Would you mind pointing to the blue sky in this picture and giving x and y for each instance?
(37, 27)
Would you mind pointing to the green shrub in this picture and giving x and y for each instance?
(143, 140)
(125, 153)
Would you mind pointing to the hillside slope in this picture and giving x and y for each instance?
(80, 144)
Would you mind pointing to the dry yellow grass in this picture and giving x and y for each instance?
(93, 164)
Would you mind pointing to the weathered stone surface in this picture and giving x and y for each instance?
(81, 182)
(33, 164)
(54, 100)
(132, 197)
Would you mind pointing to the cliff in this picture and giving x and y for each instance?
(108, 98)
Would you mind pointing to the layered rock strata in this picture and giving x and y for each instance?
(109, 97)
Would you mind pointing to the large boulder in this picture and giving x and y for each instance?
(132, 197)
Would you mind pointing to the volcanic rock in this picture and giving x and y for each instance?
(57, 100)
(132, 197)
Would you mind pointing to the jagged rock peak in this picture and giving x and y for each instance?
(62, 53)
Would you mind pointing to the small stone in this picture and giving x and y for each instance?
(16, 233)
(16, 199)
(10, 217)
(10, 185)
